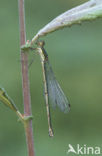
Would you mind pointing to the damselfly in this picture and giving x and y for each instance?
(53, 91)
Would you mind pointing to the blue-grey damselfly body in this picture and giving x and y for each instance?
(53, 91)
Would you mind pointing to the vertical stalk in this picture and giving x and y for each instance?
(25, 81)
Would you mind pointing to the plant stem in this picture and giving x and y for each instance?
(25, 81)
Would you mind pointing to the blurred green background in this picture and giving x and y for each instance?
(76, 57)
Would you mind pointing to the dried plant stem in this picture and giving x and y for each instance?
(25, 82)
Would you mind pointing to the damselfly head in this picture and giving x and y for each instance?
(40, 43)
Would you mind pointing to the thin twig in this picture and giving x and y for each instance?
(25, 81)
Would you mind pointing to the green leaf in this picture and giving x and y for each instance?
(26, 46)
(5, 99)
(85, 12)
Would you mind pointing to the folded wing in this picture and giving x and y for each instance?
(55, 93)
